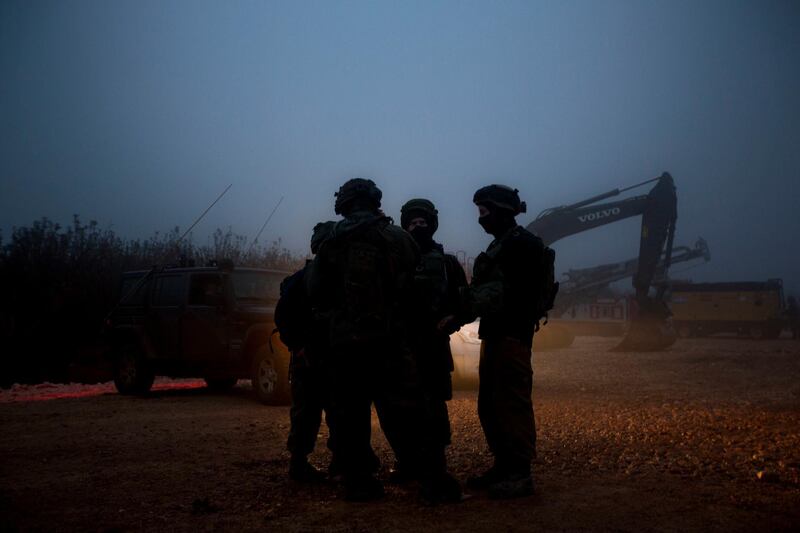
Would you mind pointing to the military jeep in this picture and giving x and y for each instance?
(207, 322)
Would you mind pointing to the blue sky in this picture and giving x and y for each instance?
(137, 114)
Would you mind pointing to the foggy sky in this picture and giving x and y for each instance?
(138, 113)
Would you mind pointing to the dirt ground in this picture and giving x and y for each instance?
(704, 436)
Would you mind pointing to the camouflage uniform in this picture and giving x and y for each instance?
(359, 283)
(506, 287)
(305, 336)
(438, 280)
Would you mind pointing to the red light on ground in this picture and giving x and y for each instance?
(51, 391)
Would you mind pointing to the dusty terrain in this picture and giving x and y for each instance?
(703, 436)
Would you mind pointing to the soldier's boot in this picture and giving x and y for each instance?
(515, 485)
(335, 469)
(486, 479)
(402, 473)
(362, 488)
(302, 471)
(336, 466)
(442, 488)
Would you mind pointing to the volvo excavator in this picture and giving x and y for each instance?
(578, 285)
(649, 329)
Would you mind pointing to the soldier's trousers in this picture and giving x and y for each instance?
(431, 427)
(434, 365)
(310, 396)
(381, 374)
(505, 407)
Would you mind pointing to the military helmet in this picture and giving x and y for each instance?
(500, 196)
(357, 188)
(321, 232)
(419, 207)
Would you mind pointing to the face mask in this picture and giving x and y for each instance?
(422, 234)
(495, 222)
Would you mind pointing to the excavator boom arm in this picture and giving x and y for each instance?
(563, 222)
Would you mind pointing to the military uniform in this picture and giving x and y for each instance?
(437, 284)
(438, 281)
(306, 337)
(359, 283)
(310, 394)
(505, 292)
(504, 287)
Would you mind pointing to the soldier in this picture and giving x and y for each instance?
(438, 280)
(310, 394)
(360, 282)
(506, 292)
(357, 283)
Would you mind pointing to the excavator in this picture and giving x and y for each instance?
(587, 284)
(583, 283)
(649, 329)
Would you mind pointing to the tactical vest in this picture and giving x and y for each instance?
(430, 280)
(487, 281)
(362, 271)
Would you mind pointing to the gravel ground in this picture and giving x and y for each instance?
(703, 436)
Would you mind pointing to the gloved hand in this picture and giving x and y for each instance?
(448, 325)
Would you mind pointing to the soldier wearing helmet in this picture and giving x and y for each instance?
(360, 283)
(438, 280)
(504, 292)
(301, 333)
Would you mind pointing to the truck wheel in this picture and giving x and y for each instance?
(271, 376)
(220, 384)
(132, 373)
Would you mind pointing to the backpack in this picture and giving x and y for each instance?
(549, 288)
(363, 278)
(292, 311)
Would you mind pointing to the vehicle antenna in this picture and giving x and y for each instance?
(185, 233)
(264, 225)
(141, 280)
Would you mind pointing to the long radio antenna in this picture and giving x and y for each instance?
(141, 280)
(264, 225)
(185, 233)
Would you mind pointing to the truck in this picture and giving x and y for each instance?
(215, 323)
(752, 309)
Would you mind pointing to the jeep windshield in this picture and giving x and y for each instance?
(257, 287)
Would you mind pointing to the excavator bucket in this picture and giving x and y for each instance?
(647, 335)
(650, 331)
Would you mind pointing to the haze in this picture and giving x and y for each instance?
(138, 114)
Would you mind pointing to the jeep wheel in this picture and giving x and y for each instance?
(132, 374)
(271, 377)
(220, 384)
